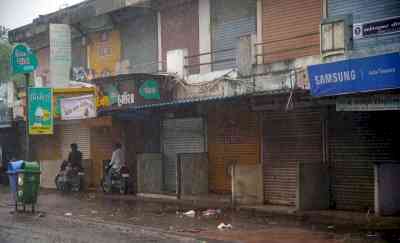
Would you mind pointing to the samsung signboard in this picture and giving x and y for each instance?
(374, 73)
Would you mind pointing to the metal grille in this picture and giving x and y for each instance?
(288, 138)
(180, 136)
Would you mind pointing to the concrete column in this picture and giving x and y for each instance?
(159, 35)
(259, 38)
(205, 34)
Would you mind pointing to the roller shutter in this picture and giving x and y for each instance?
(233, 137)
(75, 133)
(356, 141)
(180, 136)
(101, 149)
(230, 20)
(288, 138)
(291, 29)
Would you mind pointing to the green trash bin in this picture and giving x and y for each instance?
(28, 184)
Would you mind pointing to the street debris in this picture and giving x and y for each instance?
(41, 215)
(68, 214)
(94, 212)
(211, 212)
(331, 227)
(190, 213)
(223, 226)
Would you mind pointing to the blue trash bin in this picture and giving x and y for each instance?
(12, 172)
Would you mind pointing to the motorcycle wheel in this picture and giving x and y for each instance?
(58, 186)
(106, 188)
(123, 190)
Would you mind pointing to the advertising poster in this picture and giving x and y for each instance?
(40, 111)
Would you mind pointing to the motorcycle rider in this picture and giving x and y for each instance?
(116, 162)
(75, 157)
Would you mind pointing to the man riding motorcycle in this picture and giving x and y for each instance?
(71, 173)
(117, 173)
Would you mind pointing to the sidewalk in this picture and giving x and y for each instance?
(167, 216)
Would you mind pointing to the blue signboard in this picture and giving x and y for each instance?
(355, 75)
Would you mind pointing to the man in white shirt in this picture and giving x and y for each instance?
(117, 158)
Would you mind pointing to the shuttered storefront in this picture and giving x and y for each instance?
(180, 136)
(356, 141)
(75, 133)
(363, 11)
(288, 138)
(139, 43)
(233, 137)
(284, 21)
(230, 19)
(101, 149)
(180, 28)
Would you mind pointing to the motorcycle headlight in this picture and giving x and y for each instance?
(20, 179)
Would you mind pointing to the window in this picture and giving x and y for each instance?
(333, 37)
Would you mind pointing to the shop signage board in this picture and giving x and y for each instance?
(40, 111)
(377, 27)
(355, 75)
(133, 91)
(23, 60)
(368, 103)
(60, 55)
(79, 107)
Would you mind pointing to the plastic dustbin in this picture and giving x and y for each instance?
(24, 183)
(12, 172)
(28, 183)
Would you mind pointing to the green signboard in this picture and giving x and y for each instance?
(150, 90)
(40, 111)
(23, 60)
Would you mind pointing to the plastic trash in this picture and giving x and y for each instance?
(223, 226)
(190, 213)
(68, 214)
(211, 212)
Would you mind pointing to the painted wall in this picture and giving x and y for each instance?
(104, 52)
(139, 44)
(180, 30)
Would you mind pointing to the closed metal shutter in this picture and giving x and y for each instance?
(356, 141)
(233, 137)
(288, 138)
(75, 133)
(361, 11)
(101, 149)
(180, 136)
(283, 21)
(139, 43)
(230, 20)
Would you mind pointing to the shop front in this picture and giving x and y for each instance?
(362, 130)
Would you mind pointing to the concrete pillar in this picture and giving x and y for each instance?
(205, 34)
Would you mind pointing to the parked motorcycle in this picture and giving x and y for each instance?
(117, 181)
(70, 178)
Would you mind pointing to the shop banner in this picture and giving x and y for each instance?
(355, 75)
(80, 107)
(40, 111)
(60, 55)
(377, 27)
(369, 103)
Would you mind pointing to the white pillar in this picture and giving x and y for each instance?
(160, 60)
(259, 38)
(205, 34)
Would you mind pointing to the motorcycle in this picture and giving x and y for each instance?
(117, 181)
(70, 179)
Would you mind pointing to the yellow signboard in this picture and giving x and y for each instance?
(104, 53)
